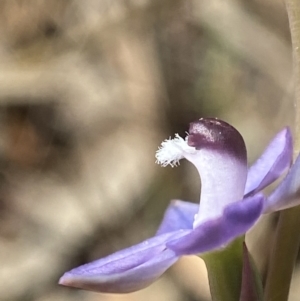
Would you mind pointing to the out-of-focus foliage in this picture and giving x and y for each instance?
(88, 89)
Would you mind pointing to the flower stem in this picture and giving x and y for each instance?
(283, 257)
(224, 268)
(287, 238)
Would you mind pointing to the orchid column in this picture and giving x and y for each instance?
(219, 153)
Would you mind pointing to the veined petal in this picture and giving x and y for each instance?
(125, 271)
(237, 218)
(179, 215)
(276, 158)
(287, 194)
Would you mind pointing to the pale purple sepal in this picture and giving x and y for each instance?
(237, 218)
(276, 158)
(179, 215)
(125, 271)
(287, 194)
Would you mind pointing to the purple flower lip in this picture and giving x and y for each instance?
(231, 203)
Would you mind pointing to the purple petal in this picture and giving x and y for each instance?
(125, 271)
(179, 215)
(276, 158)
(287, 194)
(237, 218)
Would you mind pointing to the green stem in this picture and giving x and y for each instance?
(224, 268)
(282, 260)
(287, 238)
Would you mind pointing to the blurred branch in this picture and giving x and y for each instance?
(236, 28)
(287, 240)
(293, 10)
(246, 37)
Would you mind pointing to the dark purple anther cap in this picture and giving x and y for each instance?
(215, 134)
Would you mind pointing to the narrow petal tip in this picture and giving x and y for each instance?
(100, 283)
(85, 282)
(66, 280)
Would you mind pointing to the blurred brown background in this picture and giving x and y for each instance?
(88, 90)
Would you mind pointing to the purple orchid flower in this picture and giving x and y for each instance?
(231, 203)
